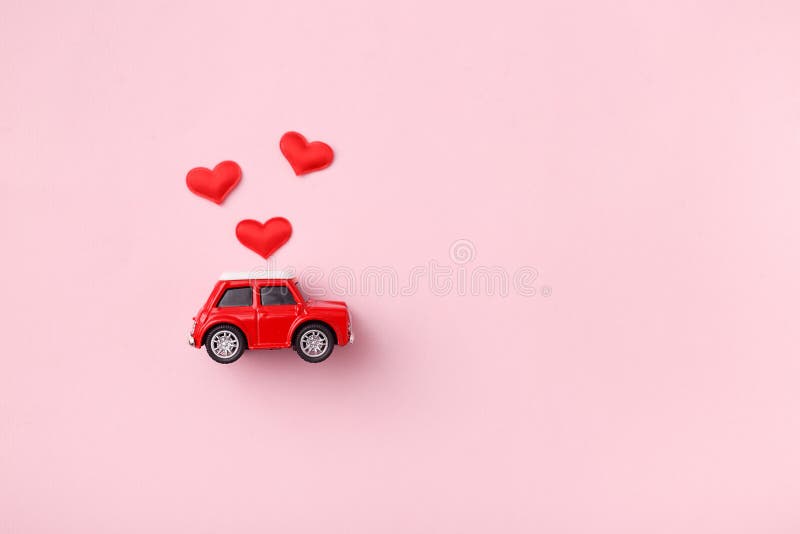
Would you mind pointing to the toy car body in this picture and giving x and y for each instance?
(268, 311)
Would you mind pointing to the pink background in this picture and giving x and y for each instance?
(643, 156)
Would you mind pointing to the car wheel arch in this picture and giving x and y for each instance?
(307, 322)
(225, 323)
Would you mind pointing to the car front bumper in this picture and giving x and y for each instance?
(190, 337)
(350, 335)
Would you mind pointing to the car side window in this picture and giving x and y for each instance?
(276, 296)
(236, 296)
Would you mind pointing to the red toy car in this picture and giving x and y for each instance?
(246, 311)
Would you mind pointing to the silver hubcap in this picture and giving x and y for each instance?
(314, 343)
(224, 344)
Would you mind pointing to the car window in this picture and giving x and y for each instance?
(300, 290)
(276, 295)
(236, 296)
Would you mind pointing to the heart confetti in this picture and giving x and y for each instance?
(215, 184)
(305, 157)
(264, 239)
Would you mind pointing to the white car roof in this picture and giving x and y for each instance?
(257, 275)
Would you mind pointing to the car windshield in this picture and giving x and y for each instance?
(300, 290)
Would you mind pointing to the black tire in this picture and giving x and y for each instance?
(316, 332)
(214, 349)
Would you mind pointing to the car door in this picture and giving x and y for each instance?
(235, 306)
(276, 311)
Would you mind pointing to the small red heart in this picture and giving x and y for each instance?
(214, 185)
(264, 239)
(305, 157)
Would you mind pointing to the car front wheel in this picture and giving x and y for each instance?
(225, 343)
(314, 343)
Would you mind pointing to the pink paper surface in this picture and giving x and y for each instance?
(642, 157)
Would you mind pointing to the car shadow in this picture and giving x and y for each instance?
(347, 362)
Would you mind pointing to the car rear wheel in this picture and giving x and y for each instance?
(225, 343)
(314, 342)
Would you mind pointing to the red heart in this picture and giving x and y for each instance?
(305, 157)
(214, 185)
(264, 239)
